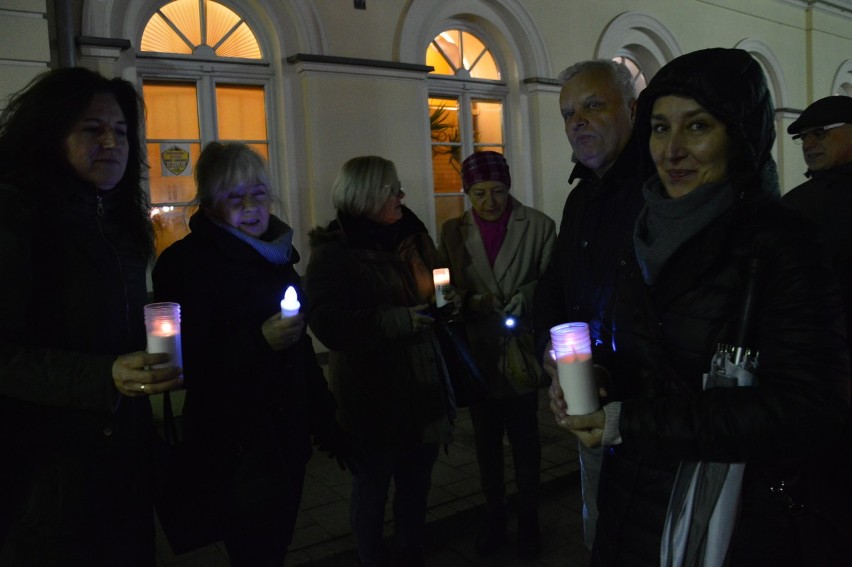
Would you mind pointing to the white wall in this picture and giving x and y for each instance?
(328, 113)
(24, 44)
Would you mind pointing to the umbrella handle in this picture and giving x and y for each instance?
(747, 307)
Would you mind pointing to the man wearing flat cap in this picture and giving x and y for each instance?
(825, 132)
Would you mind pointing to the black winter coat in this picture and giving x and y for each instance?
(826, 199)
(786, 429)
(74, 486)
(388, 377)
(243, 398)
(597, 220)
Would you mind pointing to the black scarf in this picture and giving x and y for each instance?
(665, 224)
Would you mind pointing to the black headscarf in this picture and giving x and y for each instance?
(730, 84)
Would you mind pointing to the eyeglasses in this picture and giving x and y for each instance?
(818, 133)
(395, 188)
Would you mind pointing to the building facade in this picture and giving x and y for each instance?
(312, 83)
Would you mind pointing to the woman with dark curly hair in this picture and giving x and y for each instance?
(75, 243)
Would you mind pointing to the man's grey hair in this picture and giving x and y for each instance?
(621, 76)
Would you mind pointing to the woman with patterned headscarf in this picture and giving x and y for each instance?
(496, 251)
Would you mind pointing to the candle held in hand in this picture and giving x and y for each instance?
(290, 304)
(441, 278)
(162, 324)
(574, 366)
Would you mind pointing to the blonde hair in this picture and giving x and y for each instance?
(222, 167)
(362, 185)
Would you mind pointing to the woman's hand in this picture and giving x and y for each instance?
(283, 333)
(587, 428)
(419, 318)
(133, 374)
(452, 296)
(548, 363)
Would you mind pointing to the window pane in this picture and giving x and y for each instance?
(447, 207)
(220, 20)
(450, 43)
(446, 144)
(171, 223)
(446, 169)
(241, 112)
(241, 43)
(172, 111)
(486, 68)
(437, 60)
(175, 185)
(185, 16)
(487, 121)
(160, 37)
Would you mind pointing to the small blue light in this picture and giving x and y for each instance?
(510, 322)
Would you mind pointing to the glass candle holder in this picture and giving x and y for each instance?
(573, 350)
(162, 326)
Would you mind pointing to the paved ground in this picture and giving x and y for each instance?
(323, 537)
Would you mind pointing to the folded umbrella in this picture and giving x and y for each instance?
(705, 498)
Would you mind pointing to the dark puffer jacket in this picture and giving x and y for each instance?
(76, 476)
(789, 428)
(388, 378)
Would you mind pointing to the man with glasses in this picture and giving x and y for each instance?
(825, 132)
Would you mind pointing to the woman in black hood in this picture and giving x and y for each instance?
(712, 228)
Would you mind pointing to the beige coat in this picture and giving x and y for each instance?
(530, 237)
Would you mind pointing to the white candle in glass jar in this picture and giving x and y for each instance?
(575, 370)
(164, 337)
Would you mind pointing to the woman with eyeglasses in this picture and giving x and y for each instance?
(368, 281)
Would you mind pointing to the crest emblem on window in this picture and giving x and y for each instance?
(175, 160)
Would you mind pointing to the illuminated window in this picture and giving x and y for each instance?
(465, 116)
(463, 55)
(201, 27)
(188, 107)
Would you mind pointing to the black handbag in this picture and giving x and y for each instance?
(187, 495)
(468, 383)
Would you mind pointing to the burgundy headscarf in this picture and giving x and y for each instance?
(485, 166)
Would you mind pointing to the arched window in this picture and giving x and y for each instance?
(466, 114)
(189, 106)
(639, 80)
(188, 26)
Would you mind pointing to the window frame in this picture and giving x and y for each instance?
(182, 71)
(467, 90)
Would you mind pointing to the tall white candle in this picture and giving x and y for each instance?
(164, 337)
(577, 380)
(290, 304)
(441, 278)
